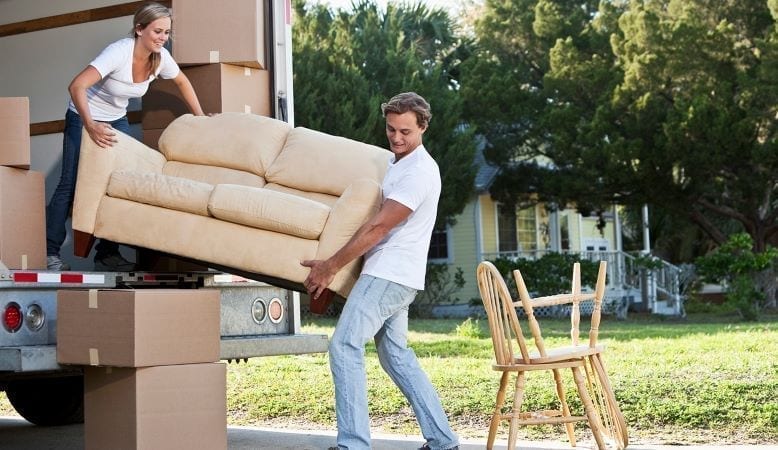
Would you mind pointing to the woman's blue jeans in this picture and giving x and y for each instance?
(378, 309)
(61, 201)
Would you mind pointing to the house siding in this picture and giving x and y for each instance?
(463, 252)
(482, 210)
(489, 223)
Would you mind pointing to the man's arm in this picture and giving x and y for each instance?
(367, 236)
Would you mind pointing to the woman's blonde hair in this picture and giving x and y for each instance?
(144, 15)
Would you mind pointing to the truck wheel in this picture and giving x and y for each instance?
(49, 401)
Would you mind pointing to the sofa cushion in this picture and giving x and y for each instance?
(160, 190)
(318, 162)
(268, 210)
(234, 140)
(212, 174)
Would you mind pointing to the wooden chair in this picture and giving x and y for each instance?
(512, 355)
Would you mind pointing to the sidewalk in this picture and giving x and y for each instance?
(247, 438)
(18, 434)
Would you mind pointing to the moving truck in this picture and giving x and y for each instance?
(44, 45)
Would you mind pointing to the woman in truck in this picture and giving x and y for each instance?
(99, 98)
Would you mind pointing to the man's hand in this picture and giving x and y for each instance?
(320, 276)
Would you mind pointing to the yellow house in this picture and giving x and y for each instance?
(487, 229)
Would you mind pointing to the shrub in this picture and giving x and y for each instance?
(548, 275)
(440, 284)
(748, 276)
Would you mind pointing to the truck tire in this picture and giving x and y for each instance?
(49, 401)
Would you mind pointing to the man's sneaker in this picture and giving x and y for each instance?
(427, 447)
(113, 263)
(54, 262)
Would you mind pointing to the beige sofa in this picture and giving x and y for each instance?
(240, 192)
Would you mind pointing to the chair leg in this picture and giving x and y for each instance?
(591, 412)
(497, 410)
(518, 399)
(560, 392)
(613, 419)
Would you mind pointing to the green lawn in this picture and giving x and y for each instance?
(705, 379)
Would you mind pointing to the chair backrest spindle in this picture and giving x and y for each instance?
(575, 314)
(599, 293)
(501, 314)
(529, 311)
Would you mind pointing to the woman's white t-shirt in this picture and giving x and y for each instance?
(401, 256)
(109, 97)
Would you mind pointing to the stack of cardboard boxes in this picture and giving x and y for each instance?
(220, 46)
(22, 191)
(152, 377)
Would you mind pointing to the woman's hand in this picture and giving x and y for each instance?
(101, 133)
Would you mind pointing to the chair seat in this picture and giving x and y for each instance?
(564, 353)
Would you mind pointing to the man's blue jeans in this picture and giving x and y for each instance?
(62, 200)
(378, 309)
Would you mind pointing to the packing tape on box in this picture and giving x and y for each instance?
(213, 56)
(24, 262)
(93, 299)
(247, 109)
(247, 71)
(94, 357)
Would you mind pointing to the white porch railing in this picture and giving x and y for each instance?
(661, 285)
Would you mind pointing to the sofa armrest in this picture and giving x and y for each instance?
(359, 202)
(94, 171)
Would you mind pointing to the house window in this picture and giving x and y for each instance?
(439, 244)
(506, 228)
(528, 230)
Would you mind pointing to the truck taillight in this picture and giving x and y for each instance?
(12, 317)
(275, 310)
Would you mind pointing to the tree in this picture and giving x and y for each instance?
(346, 63)
(666, 102)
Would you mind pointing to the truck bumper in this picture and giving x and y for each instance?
(272, 345)
(29, 358)
(42, 358)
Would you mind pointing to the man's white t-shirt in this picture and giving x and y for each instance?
(401, 256)
(109, 97)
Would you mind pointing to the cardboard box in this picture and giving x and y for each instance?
(221, 31)
(15, 132)
(163, 407)
(138, 328)
(151, 137)
(22, 219)
(219, 87)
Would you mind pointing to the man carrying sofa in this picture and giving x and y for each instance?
(395, 242)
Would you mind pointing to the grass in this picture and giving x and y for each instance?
(705, 379)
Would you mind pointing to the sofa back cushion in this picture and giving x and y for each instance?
(317, 162)
(238, 141)
(212, 174)
(326, 199)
